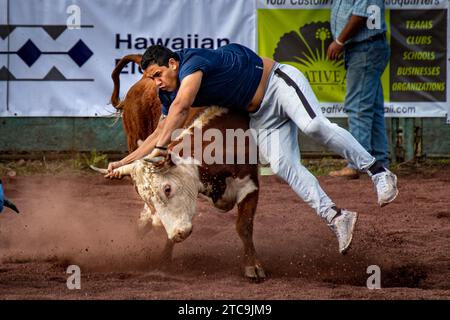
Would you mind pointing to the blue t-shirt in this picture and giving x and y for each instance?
(231, 75)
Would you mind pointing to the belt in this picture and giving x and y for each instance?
(378, 36)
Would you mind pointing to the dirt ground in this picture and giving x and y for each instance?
(91, 222)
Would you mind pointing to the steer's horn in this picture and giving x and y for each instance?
(10, 204)
(124, 170)
(102, 171)
(155, 159)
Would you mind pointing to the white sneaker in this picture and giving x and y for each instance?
(386, 185)
(343, 224)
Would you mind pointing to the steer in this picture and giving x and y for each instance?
(173, 184)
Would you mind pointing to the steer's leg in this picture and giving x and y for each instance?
(166, 256)
(144, 224)
(244, 226)
(165, 259)
(147, 219)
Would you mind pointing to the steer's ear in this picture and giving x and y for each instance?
(159, 164)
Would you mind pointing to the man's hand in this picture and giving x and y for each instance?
(334, 51)
(114, 174)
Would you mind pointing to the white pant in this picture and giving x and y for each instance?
(290, 104)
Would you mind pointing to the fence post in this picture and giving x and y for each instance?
(406, 139)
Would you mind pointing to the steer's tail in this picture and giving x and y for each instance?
(115, 75)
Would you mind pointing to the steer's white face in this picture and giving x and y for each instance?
(172, 190)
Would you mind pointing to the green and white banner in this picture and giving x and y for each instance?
(415, 82)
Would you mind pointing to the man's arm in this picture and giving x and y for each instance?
(179, 109)
(353, 26)
(147, 146)
(144, 149)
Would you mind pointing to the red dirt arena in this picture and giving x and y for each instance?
(85, 220)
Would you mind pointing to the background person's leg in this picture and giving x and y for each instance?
(364, 103)
(359, 98)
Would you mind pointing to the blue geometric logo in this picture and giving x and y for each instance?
(80, 53)
(29, 53)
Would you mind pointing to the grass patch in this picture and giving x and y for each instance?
(83, 161)
(77, 164)
(323, 166)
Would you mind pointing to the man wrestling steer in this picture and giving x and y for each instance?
(278, 99)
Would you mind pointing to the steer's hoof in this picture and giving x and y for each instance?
(164, 266)
(165, 258)
(164, 262)
(255, 273)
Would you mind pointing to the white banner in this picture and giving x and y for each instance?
(49, 68)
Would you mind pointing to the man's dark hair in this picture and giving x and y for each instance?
(159, 55)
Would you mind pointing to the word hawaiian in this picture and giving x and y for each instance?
(176, 43)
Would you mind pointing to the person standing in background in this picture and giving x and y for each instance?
(359, 31)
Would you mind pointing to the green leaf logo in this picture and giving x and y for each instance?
(307, 51)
